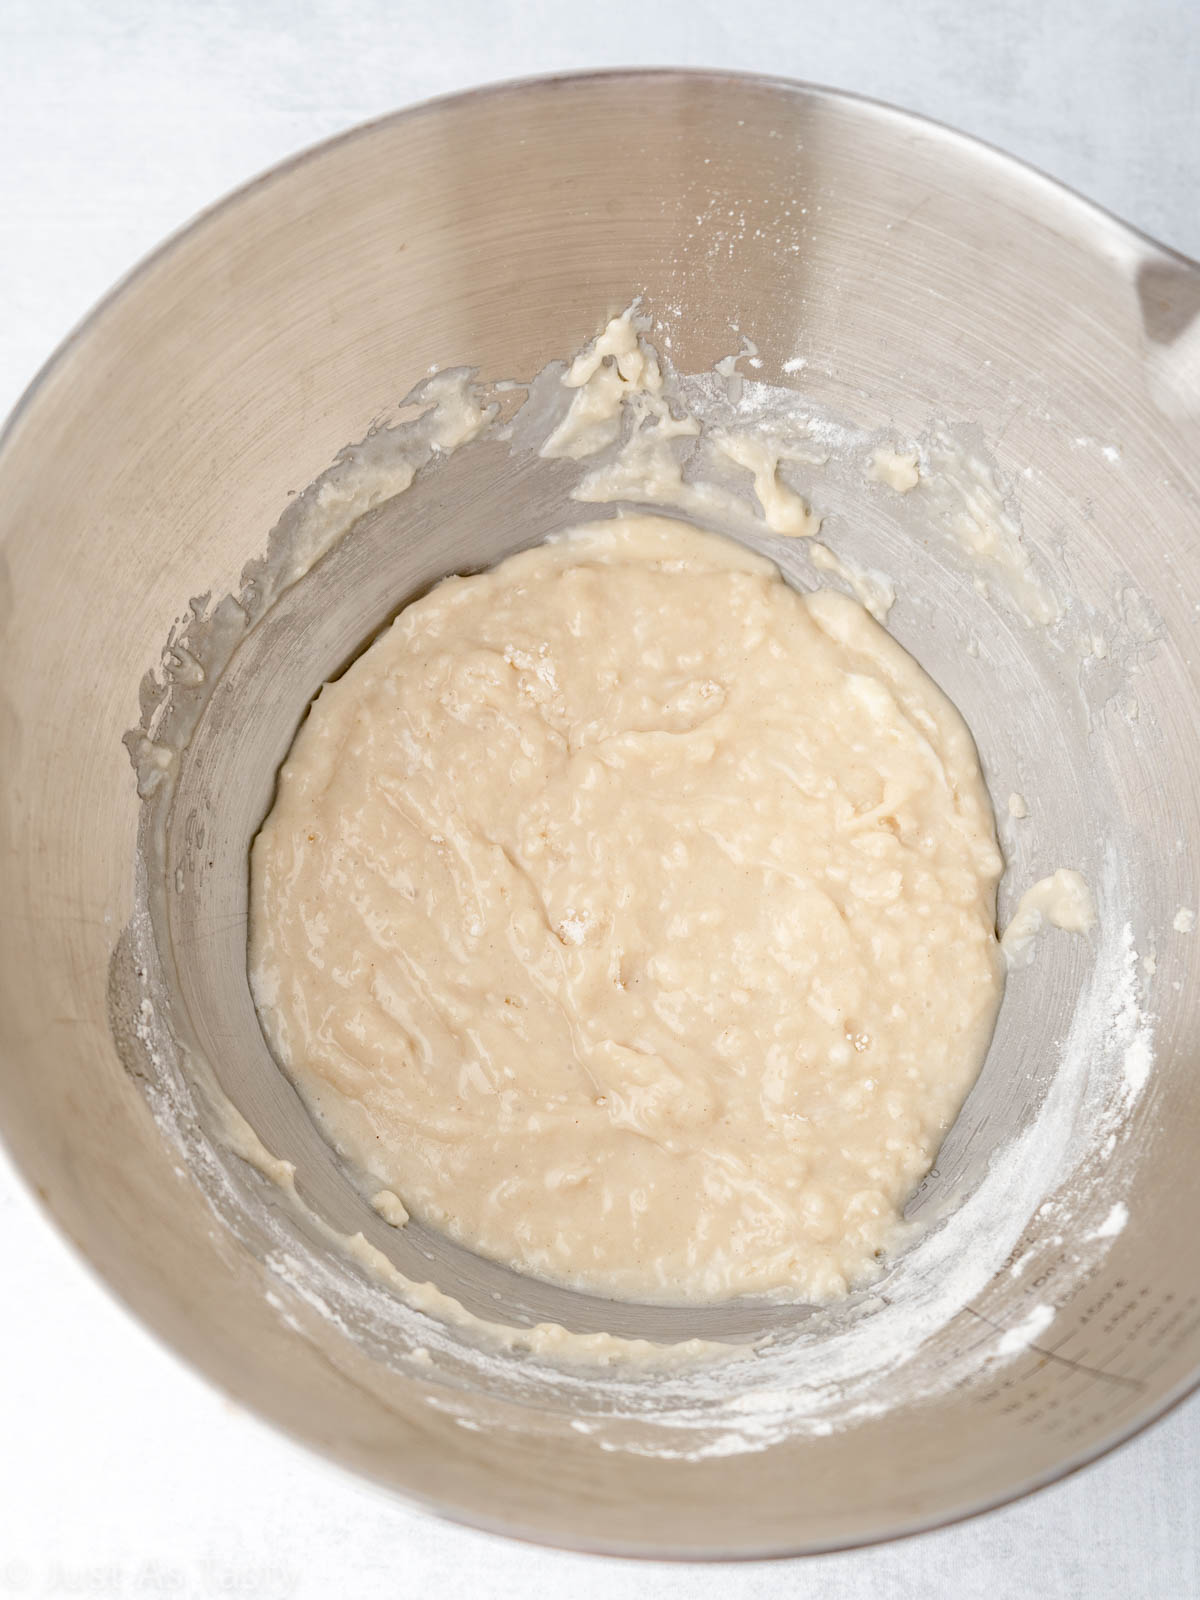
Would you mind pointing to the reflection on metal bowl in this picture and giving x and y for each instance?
(906, 279)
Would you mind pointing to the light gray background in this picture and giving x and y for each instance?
(120, 1472)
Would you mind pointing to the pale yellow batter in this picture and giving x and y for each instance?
(630, 917)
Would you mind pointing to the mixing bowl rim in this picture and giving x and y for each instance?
(548, 82)
(973, 147)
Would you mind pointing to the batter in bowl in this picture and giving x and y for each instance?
(630, 916)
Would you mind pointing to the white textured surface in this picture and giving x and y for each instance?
(121, 1474)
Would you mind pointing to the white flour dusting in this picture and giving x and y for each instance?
(1114, 1222)
(1026, 1332)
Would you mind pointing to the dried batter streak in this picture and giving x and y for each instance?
(630, 917)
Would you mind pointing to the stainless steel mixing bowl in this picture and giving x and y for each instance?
(920, 276)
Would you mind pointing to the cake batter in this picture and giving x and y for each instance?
(630, 917)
